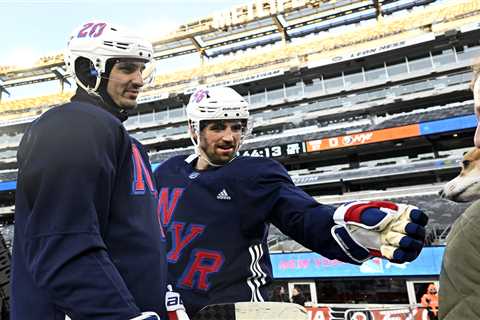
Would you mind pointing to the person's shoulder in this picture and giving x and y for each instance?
(91, 110)
(252, 167)
(255, 161)
(77, 113)
(172, 163)
(77, 123)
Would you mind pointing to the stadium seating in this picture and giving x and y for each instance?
(25, 107)
(395, 28)
(6, 230)
(8, 175)
(291, 122)
(422, 115)
(275, 106)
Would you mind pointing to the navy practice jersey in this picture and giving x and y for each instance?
(87, 239)
(217, 226)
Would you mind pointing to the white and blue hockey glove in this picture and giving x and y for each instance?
(147, 316)
(380, 228)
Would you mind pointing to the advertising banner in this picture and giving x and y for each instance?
(313, 265)
(361, 138)
(359, 312)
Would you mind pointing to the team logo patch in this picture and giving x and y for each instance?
(200, 95)
(223, 195)
(193, 175)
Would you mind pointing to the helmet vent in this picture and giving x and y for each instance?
(118, 45)
(122, 45)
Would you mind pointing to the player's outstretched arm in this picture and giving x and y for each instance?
(352, 233)
(380, 228)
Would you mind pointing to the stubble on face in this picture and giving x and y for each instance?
(220, 140)
(125, 82)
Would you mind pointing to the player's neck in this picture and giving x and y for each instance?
(201, 164)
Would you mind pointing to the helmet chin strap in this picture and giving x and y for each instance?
(201, 154)
(88, 89)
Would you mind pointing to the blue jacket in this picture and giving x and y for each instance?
(217, 225)
(87, 239)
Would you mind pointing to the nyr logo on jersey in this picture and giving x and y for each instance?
(167, 202)
(141, 175)
(201, 262)
(142, 180)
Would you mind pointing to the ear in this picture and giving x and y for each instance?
(192, 132)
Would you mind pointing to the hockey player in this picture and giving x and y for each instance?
(216, 208)
(87, 241)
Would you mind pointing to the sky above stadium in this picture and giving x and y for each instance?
(36, 28)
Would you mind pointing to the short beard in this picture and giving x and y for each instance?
(217, 161)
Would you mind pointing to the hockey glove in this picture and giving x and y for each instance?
(380, 228)
(147, 316)
(174, 305)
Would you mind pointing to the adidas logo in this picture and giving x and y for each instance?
(223, 195)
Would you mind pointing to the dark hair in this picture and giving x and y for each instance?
(205, 123)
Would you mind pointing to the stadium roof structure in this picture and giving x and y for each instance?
(3, 90)
(256, 24)
(44, 70)
(259, 23)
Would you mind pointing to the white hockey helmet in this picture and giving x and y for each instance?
(100, 41)
(217, 103)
